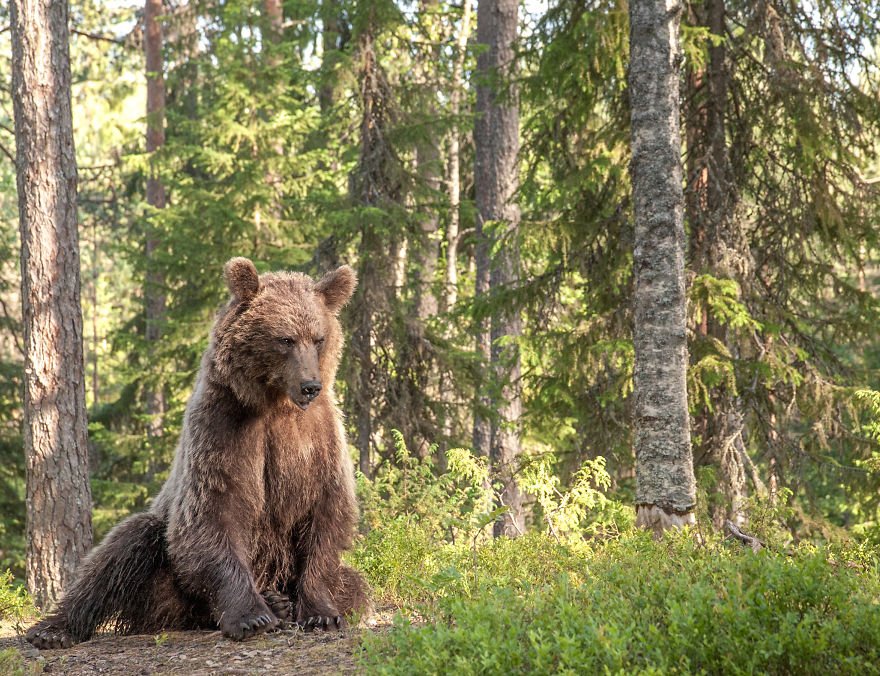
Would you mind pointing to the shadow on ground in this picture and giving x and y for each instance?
(201, 653)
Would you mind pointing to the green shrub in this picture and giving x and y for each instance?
(397, 558)
(450, 506)
(13, 664)
(15, 603)
(635, 605)
(584, 592)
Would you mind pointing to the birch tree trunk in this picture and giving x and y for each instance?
(665, 487)
(496, 140)
(59, 500)
(154, 294)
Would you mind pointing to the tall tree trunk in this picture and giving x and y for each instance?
(374, 184)
(334, 36)
(718, 248)
(496, 141)
(154, 294)
(453, 176)
(427, 246)
(482, 432)
(59, 499)
(275, 20)
(665, 487)
(273, 30)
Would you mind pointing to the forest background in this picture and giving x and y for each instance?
(305, 135)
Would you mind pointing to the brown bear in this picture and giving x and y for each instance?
(250, 526)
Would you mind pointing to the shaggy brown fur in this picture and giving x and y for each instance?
(251, 524)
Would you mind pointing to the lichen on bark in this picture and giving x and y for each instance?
(664, 464)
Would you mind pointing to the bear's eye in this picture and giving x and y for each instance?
(319, 343)
(286, 342)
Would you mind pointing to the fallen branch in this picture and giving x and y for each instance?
(749, 540)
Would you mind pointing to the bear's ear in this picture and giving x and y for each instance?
(241, 278)
(336, 287)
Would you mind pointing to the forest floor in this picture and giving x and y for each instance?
(196, 653)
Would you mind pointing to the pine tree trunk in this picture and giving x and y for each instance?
(453, 176)
(273, 31)
(333, 39)
(59, 501)
(362, 307)
(275, 20)
(374, 184)
(496, 141)
(427, 249)
(721, 249)
(154, 294)
(482, 432)
(665, 487)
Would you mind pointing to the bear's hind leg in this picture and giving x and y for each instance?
(119, 584)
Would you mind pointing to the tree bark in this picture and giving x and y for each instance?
(496, 141)
(427, 249)
(375, 183)
(453, 177)
(59, 501)
(719, 248)
(274, 20)
(482, 432)
(334, 35)
(154, 294)
(665, 487)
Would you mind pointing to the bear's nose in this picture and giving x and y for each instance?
(310, 388)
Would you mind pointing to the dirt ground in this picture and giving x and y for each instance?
(202, 653)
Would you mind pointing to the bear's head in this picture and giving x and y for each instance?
(279, 335)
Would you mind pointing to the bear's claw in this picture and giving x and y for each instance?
(324, 622)
(247, 626)
(48, 636)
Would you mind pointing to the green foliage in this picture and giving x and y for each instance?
(449, 505)
(15, 603)
(636, 605)
(424, 532)
(871, 400)
(263, 157)
(13, 664)
(722, 299)
(582, 509)
(555, 602)
(771, 519)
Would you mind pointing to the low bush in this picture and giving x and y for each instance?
(635, 605)
(16, 604)
(584, 592)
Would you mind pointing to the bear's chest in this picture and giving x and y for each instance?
(298, 465)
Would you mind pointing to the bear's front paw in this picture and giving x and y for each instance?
(239, 626)
(48, 635)
(325, 622)
(279, 604)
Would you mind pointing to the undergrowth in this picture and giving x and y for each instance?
(584, 592)
(16, 604)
